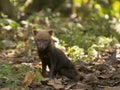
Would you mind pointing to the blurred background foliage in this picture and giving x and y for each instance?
(83, 28)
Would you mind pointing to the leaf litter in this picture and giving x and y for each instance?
(100, 74)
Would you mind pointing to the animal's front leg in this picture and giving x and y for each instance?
(44, 69)
(52, 71)
(53, 67)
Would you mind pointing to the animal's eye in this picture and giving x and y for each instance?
(46, 40)
(37, 39)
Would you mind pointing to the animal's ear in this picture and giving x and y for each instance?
(50, 32)
(35, 32)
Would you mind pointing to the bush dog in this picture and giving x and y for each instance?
(53, 57)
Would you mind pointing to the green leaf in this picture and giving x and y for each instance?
(7, 43)
(10, 22)
(38, 76)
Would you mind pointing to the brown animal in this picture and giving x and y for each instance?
(53, 57)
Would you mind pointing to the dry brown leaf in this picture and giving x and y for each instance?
(118, 65)
(69, 86)
(112, 88)
(91, 78)
(105, 76)
(116, 75)
(82, 86)
(56, 84)
(29, 77)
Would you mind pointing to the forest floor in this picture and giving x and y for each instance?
(100, 74)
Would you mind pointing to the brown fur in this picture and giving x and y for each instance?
(53, 57)
(43, 35)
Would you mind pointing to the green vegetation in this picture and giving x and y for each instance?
(11, 76)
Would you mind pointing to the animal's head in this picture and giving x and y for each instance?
(43, 39)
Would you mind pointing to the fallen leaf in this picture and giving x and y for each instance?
(112, 88)
(69, 86)
(29, 77)
(82, 86)
(56, 84)
(105, 76)
(90, 78)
